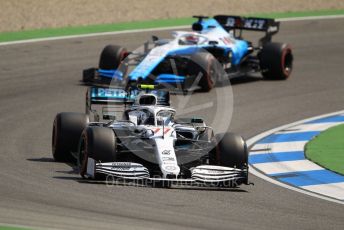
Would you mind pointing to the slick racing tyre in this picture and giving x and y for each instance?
(231, 151)
(276, 61)
(206, 66)
(111, 57)
(98, 143)
(67, 130)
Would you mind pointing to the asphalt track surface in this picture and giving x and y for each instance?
(41, 79)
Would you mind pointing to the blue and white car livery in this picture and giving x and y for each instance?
(197, 59)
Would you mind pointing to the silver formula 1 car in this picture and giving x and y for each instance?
(135, 135)
(213, 51)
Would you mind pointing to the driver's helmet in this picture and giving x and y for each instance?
(145, 118)
(189, 40)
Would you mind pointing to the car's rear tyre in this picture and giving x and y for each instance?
(206, 66)
(276, 61)
(67, 130)
(111, 57)
(98, 143)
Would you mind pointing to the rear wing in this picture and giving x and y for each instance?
(98, 95)
(238, 23)
(110, 103)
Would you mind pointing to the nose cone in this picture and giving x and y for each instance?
(166, 156)
(171, 169)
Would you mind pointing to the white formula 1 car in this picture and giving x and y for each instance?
(148, 143)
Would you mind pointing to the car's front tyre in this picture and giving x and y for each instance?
(111, 57)
(231, 151)
(98, 143)
(67, 129)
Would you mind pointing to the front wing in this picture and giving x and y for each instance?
(203, 174)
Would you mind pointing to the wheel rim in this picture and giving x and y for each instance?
(211, 73)
(212, 76)
(287, 62)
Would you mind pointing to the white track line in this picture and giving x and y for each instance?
(310, 18)
(152, 30)
(257, 173)
(93, 35)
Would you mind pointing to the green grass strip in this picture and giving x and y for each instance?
(79, 30)
(327, 149)
(12, 228)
